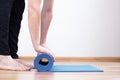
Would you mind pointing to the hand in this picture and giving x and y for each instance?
(39, 49)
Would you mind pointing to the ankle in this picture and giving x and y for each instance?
(2, 57)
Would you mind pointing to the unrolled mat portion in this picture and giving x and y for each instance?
(48, 65)
(74, 68)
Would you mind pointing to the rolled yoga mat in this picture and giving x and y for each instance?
(45, 63)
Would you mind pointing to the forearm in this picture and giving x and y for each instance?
(45, 24)
(47, 13)
(34, 20)
(38, 26)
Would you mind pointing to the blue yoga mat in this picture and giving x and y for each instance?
(50, 67)
(74, 68)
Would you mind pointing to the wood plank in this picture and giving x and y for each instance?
(78, 59)
(111, 72)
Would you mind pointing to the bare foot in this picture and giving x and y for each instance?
(25, 64)
(7, 63)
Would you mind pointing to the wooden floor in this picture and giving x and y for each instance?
(111, 72)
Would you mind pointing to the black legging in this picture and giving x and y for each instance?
(11, 12)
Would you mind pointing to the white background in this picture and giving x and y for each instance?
(80, 28)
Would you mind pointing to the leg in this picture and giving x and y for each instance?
(4, 26)
(6, 62)
(14, 26)
(14, 29)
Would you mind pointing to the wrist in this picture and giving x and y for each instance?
(35, 46)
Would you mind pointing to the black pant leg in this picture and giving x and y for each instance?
(5, 9)
(14, 26)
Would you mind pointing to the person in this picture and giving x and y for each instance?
(39, 21)
(10, 21)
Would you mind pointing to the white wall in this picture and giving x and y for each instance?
(81, 28)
